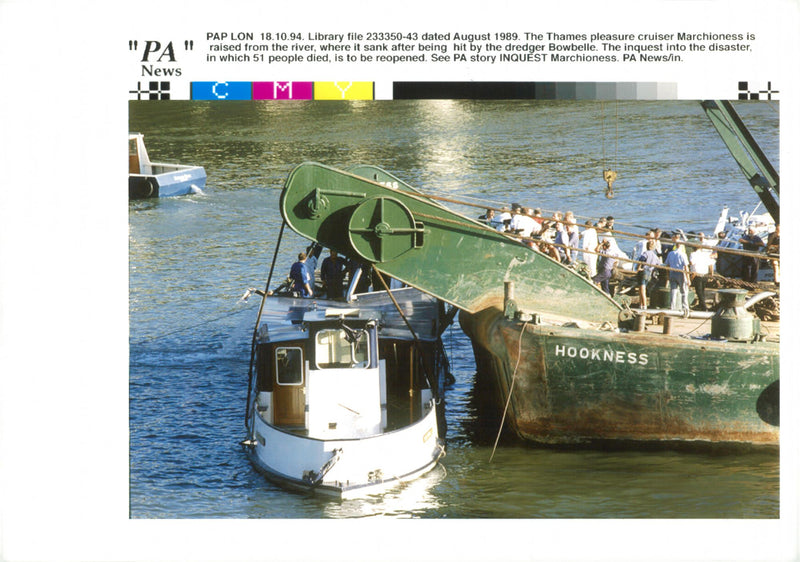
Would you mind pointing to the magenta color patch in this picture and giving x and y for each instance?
(283, 90)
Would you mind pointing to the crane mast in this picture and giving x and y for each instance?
(745, 150)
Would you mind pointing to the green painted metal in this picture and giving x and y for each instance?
(382, 229)
(745, 150)
(381, 176)
(425, 245)
(732, 321)
(577, 385)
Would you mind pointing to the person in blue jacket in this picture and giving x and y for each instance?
(678, 275)
(648, 259)
(605, 267)
(302, 281)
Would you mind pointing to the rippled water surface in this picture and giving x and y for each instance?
(193, 257)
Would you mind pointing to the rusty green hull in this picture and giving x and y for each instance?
(575, 385)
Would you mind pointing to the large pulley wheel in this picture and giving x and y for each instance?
(382, 228)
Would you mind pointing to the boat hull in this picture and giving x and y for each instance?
(172, 181)
(575, 385)
(362, 466)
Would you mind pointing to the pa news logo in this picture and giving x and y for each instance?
(158, 60)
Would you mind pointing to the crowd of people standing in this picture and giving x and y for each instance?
(560, 237)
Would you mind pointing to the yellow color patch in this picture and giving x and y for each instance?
(344, 90)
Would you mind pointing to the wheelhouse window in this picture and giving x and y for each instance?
(289, 366)
(341, 348)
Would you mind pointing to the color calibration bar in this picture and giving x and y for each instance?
(220, 90)
(282, 90)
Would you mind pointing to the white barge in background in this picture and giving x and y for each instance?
(152, 179)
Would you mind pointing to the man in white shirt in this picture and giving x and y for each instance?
(503, 219)
(516, 213)
(701, 265)
(589, 242)
(608, 234)
(536, 223)
(524, 223)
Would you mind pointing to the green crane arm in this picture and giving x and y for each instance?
(745, 150)
(425, 245)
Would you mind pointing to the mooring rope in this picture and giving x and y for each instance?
(700, 325)
(203, 323)
(510, 390)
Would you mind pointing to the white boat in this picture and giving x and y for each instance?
(340, 401)
(153, 179)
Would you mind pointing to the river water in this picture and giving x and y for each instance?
(193, 257)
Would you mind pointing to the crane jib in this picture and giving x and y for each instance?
(425, 245)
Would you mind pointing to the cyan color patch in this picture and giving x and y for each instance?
(222, 91)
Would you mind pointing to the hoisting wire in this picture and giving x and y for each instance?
(258, 322)
(603, 136)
